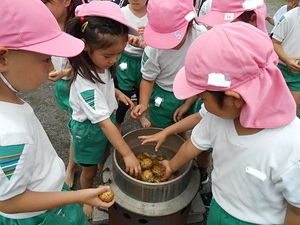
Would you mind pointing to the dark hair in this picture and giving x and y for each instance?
(246, 16)
(98, 33)
(219, 95)
(71, 9)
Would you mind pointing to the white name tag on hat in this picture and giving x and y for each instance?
(218, 79)
(252, 4)
(229, 16)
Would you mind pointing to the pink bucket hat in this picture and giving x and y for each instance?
(225, 58)
(225, 11)
(106, 9)
(167, 22)
(30, 26)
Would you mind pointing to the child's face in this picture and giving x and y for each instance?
(58, 8)
(227, 109)
(137, 4)
(27, 71)
(105, 58)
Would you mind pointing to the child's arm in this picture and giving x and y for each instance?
(292, 216)
(270, 19)
(114, 136)
(48, 200)
(289, 62)
(186, 124)
(123, 98)
(185, 154)
(146, 88)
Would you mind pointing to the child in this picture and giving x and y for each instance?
(32, 174)
(251, 125)
(205, 8)
(287, 46)
(63, 11)
(280, 12)
(104, 30)
(215, 16)
(224, 11)
(121, 3)
(129, 64)
(169, 42)
(248, 11)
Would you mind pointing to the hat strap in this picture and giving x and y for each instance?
(7, 83)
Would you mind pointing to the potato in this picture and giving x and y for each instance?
(141, 156)
(152, 169)
(158, 170)
(147, 176)
(146, 163)
(160, 157)
(172, 177)
(107, 196)
(147, 154)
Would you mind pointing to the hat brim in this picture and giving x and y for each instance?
(63, 45)
(182, 90)
(214, 18)
(164, 40)
(105, 9)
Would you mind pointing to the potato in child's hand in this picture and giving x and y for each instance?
(107, 196)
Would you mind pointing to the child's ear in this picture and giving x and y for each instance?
(237, 98)
(3, 59)
(253, 19)
(67, 3)
(86, 46)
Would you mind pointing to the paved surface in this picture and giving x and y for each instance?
(55, 120)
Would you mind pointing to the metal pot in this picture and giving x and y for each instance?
(145, 191)
(151, 199)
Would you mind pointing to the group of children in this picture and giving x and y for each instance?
(247, 119)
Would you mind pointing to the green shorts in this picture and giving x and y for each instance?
(62, 94)
(64, 215)
(292, 79)
(89, 141)
(218, 216)
(162, 116)
(129, 72)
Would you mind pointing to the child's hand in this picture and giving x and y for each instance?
(159, 138)
(168, 171)
(133, 167)
(141, 30)
(293, 64)
(138, 111)
(180, 111)
(123, 98)
(55, 75)
(136, 41)
(91, 197)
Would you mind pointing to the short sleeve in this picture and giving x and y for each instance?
(150, 66)
(94, 105)
(281, 29)
(15, 169)
(200, 134)
(289, 183)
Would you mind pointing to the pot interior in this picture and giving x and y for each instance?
(168, 148)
